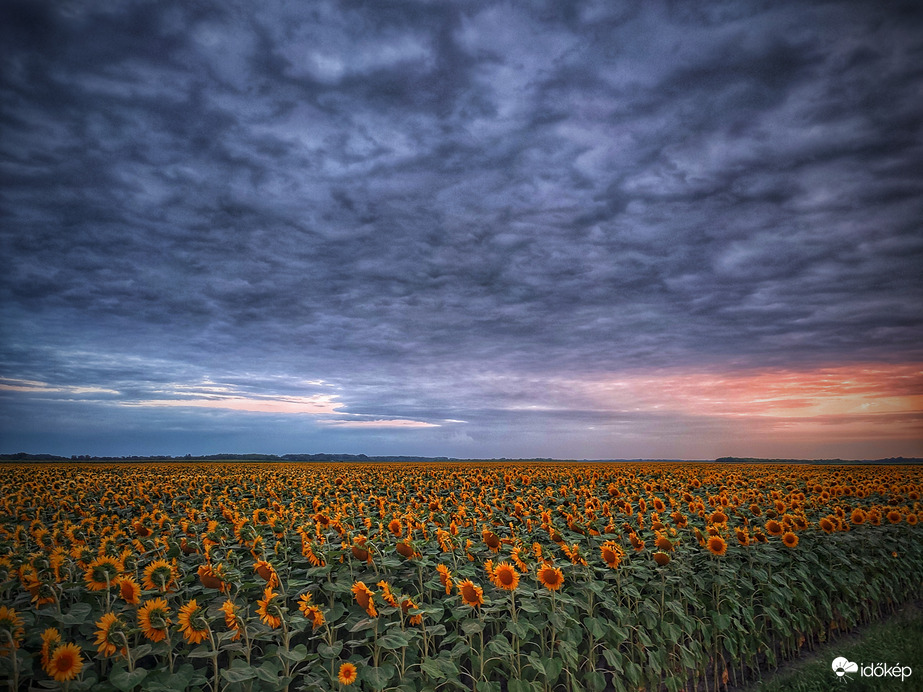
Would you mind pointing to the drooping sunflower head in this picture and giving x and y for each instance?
(212, 576)
(365, 598)
(310, 611)
(661, 558)
(193, 622)
(269, 608)
(664, 544)
(154, 619)
(743, 537)
(129, 590)
(267, 572)
(826, 525)
(110, 635)
(506, 576)
(552, 578)
(612, 554)
(471, 594)
(66, 662)
(51, 638)
(231, 618)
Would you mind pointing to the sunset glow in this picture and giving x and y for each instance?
(579, 230)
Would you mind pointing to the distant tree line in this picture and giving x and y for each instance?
(755, 460)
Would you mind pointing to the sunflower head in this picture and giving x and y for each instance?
(102, 573)
(110, 635)
(154, 619)
(269, 609)
(774, 528)
(365, 598)
(790, 539)
(506, 576)
(66, 662)
(661, 558)
(716, 545)
(231, 618)
(471, 593)
(160, 575)
(193, 622)
(612, 554)
(347, 674)
(550, 577)
(129, 590)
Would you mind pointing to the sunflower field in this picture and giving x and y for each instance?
(441, 576)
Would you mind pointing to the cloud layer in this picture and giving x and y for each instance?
(440, 208)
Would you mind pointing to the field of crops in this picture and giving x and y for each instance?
(441, 576)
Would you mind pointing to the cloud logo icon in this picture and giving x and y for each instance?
(841, 666)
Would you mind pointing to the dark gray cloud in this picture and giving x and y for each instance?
(402, 199)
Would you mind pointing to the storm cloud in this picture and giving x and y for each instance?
(455, 217)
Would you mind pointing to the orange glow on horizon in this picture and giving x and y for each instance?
(883, 399)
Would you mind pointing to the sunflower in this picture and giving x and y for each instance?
(66, 662)
(405, 549)
(491, 540)
(912, 519)
(110, 635)
(347, 674)
(661, 558)
(894, 516)
(773, 528)
(51, 638)
(311, 611)
(742, 536)
(718, 517)
(827, 525)
(102, 573)
(386, 594)
(269, 612)
(159, 576)
(612, 554)
(664, 544)
(192, 622)
(790, 539)
(153, 619)
(471, 593)
(231, 618)
(395, 527)
(445, 576)
(365, 598)
(551, 577)
(212, 577)
(267, 572)
(129, 590)
(506, 576)
(717, 545)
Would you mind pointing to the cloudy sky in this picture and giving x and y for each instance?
(573, 230)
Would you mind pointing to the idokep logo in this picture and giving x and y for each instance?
(843, 667)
